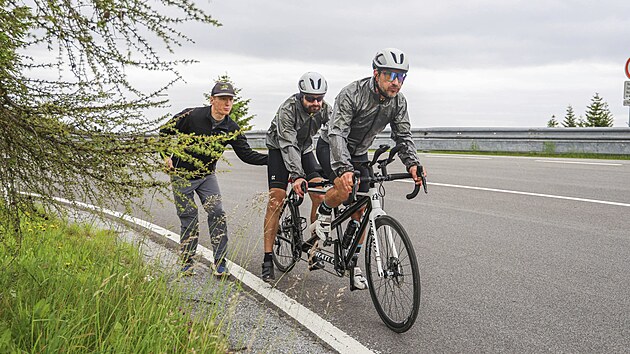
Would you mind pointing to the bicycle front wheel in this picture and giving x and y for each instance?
(286, 250)
(396, 291)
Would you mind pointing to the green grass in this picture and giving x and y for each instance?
(72, 289)
(534, 154)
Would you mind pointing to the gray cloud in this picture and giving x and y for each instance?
(435, 34)
(481, 63)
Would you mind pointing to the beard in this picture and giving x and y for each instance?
(314, 109)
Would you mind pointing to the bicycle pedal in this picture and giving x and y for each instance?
(316, 264)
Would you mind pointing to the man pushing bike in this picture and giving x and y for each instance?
(361, 111)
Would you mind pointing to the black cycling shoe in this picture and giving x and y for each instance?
(267, 271)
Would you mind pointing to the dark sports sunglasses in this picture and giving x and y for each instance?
(310, 98)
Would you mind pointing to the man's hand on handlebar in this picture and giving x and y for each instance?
(344, 182)
(414, 174)
(297, 186)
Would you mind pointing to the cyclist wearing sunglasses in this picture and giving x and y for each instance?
(362, 110)
(290, 143)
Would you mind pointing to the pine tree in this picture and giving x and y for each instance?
(552, 123)
(598, 114)
(240, 108)
(570, 121)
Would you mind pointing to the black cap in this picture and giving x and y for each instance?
(223, 89)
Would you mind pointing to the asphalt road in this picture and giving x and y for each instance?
(535, 257)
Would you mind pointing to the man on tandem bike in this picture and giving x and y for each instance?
(362, 110)
(290, 144)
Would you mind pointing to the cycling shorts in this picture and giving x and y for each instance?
(359, 162)
(278, 175)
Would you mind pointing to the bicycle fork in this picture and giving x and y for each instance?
(377, 252)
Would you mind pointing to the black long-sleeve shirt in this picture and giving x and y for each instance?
(200, 122)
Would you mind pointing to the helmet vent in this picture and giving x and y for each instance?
(402, 58)
(319, 84)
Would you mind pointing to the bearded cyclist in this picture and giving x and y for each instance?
(290, 143)
(362, 110)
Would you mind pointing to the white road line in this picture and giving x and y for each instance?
(325, 330)
(581, 163)
(460, 157)
(524, 193)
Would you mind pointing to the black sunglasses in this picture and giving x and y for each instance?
(310, 98)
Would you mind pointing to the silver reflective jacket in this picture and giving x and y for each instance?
(358, 116)
(292, 131)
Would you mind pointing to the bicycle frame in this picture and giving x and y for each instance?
(369, 200)
(388, 276)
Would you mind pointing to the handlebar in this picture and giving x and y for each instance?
(381, 149)
(297, 200)
(396, 176)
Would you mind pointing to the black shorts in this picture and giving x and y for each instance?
(278, 175)
(360, 163)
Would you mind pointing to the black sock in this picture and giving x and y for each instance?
(267, 257)
(324, 209)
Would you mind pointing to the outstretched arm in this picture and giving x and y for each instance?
(246, 153)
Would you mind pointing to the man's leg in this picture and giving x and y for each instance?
(272, 217)
(332, 198)
(316, 199)
(210, 196)
(270, 230)
(277, 179)
(183, 191)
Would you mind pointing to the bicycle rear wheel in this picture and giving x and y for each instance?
(395, 293)
(286, 248)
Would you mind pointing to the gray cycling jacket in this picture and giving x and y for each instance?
(292, 131)
(358, 116)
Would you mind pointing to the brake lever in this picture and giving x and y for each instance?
(424, 183)
(420, 171)
(355, 185)
(298, 200)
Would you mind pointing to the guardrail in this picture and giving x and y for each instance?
(614, 141)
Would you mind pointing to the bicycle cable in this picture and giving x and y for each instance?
(381, 193)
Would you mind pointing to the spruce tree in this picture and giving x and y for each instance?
(552, 123)
(598, 114)
(570, 121)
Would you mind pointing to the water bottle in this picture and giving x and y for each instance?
(352, 228)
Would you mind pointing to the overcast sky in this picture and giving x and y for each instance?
(484, 63)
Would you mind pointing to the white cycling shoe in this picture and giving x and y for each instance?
(357, 280)
(322, 226)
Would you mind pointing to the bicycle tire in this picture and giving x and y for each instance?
(397, 309)
(286, 251)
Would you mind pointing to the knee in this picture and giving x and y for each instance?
(186, 213)
(276, 198)
(213, 205)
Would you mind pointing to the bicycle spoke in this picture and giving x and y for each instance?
(285, 250)
(396, 294)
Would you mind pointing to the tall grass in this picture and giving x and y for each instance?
(73, 289)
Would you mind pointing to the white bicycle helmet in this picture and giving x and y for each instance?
(390, 58)
(312, 83)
